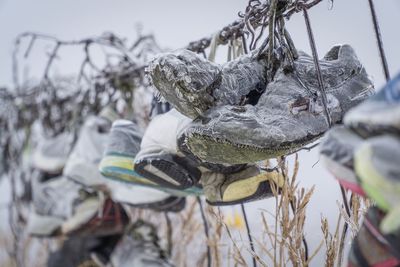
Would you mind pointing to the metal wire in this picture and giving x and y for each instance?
(379, 40)
(317, 67)
(206, 230)
(249, 234)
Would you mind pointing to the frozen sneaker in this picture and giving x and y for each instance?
(101, 253)
(193, 84)
(121, 147)
(380, 113)
(145, 197)
(243, 186)
(337, 149)
(140, 248)
(372, 248)
(158, 107)
(82, 164)
(96, 217)
(118, 162)
(74, 252)
(170, 204)
(51, 154)
(288, 115)
(52, 203)
(377, 164)
(159, 159)
(43, 225)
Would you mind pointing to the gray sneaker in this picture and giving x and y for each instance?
(51, 154)
(193, 84)
(337, 150)
(288, 115)
(379, 114)
(140, 248)
(377, 164)
(53, 202)
(83, 164)
(159, 159)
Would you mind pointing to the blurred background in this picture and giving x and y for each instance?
(175, 23)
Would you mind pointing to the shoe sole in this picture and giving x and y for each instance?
(223, 151)
(171, 204)
(166, 171)
(251, 189)
(121, 169)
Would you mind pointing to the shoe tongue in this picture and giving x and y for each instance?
(109, 113)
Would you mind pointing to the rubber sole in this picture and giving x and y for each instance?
(121, 168)
(263, 191)
(171, 204)
(169, 171)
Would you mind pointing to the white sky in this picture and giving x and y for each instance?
(176, 22)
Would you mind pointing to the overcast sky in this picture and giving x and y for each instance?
(175, 23)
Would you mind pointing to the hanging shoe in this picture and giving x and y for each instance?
(243, 186)
(118, 163)
(51, 154)
(83, 165)
(74, 252)
(288, 115)
(96, 217)
(52, 203)
(101, 253)
(86, 251)
(337, 149)
(372, 248)
(377, 164)
(379, 114)
(193, 84)
(159, 159)
(140, 247)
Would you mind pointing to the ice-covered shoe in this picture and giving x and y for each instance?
(159, 107)
(74, 252)
(101, 253)
(288, 115)
(140, 247)
(121, 147)
(96, 217)
(43, 225)
(64, 206)
(51, 154)
(118, 163)
(377, 164)
(193, 84)
(83, 164)
(337, 150)
(243, 186)
(52, 203)
(86, 251)
(159, 159)
(371, 247)
(380, 113)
